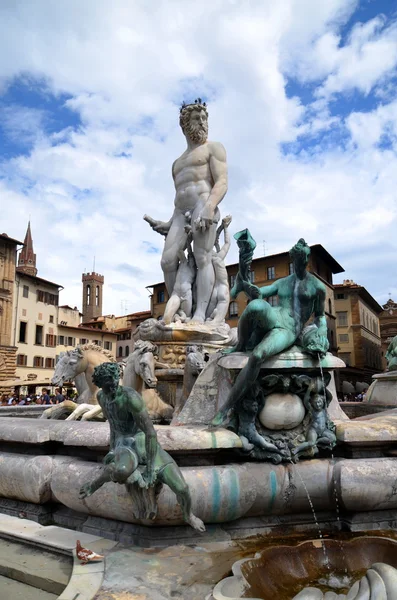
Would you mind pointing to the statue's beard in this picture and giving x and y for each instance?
(197, 133)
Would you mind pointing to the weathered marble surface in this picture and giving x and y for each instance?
(383, 389)
(96, 435)
(379, 429)
(220, 493)
(279, 570)
(293, 358)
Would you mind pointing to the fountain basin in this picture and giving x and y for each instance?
(282, 572)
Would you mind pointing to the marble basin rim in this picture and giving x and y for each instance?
(280, 572)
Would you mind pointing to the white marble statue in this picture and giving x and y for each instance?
(200, 177)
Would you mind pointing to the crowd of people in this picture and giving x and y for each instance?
(355, 397)
(44, 398)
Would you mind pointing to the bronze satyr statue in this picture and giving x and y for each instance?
(135, 456)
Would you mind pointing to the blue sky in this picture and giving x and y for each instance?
(302, 95)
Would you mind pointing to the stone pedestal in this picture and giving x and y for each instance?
(383, 389)
(215, 382)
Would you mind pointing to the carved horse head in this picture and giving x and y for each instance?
(139, 370)
(69, 365)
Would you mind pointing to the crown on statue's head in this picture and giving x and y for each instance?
(198, 103)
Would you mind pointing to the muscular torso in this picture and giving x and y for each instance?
(192, 178)
(118, 412)
(296, 301)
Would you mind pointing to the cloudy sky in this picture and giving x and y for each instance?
(302, 93)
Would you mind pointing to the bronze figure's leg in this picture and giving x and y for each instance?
(172, 476)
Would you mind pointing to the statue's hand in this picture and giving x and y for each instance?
(205, 218)
(313, 342)
(149, 476)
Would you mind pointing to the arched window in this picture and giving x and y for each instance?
(329, 306)
(88, 295)
(97, 295)
(121, 351)
(127, 350)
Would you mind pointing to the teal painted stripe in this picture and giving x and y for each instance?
(216, 495)
(213, 439)
(273, 489)
(233, 496)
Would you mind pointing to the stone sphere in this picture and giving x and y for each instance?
(282, 411)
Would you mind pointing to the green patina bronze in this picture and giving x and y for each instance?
(391, 355)
(266, 330)
(136, 459)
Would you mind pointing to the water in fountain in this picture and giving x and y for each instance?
(320, 533)
(335, 489)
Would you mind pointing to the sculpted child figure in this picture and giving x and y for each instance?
(220, 298)
(134, 445)
(200, 177)
(316, 400)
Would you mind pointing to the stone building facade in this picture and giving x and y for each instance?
(358, 331)
(8, 257)
(125, 333)
(265, 270)
(35, 328)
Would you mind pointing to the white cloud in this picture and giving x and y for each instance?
(125, 66)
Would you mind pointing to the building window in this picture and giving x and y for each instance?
(251, 276)
(61, 340)
(49, 363)
(50, 340)
(107, 345)
(97, 295)
(291, 268)
(22, 332)
(83, 341)
(232, 280)
(346, 357)
(88, 295)
(342, 319)
(344, 338)
(271, 272)
(120, 351)
(39, 335)
(22, 360)
(341, 296)
(51, 319)
(47, 298)
(273, 300)
(329, 306)
(38, 361)
(71, 341)
(233, 309)
(127, 350)
(26, 291)
(160, 296)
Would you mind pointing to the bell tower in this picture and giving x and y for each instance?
(92, 295)
(27, 258)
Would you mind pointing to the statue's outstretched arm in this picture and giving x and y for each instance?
(319, 312)
(161, 227)
(218, 169)
(269, 290)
